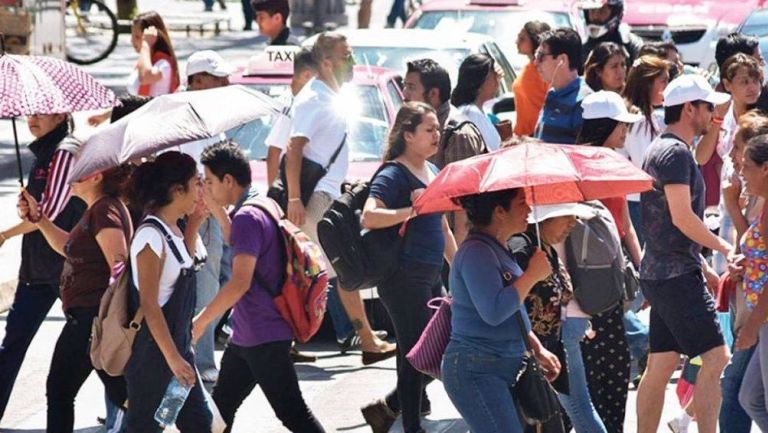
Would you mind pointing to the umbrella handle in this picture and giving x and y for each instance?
(18, 151)
(2, 44)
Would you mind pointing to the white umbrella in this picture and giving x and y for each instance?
(171, 120)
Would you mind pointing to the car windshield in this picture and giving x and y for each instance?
(756, 24)
(397, 57)
(502, 25)
(368, 125)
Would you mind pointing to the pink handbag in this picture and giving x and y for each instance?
(427, 355)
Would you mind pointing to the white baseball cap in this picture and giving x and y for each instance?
(692, 87)
(210, 62)
(607, 105)
(544, 212)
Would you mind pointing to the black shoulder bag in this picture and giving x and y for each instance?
(535, 398)
(311, 173)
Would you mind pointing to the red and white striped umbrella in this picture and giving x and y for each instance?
(45, 85)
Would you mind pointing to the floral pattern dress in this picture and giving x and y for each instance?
(754, 248)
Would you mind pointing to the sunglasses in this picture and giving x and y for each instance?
(710, 106)
(540, 55)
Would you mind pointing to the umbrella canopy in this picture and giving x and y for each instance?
(45, 85)
(550, 174)
(171, 120)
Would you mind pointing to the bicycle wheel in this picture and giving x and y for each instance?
(91, 32)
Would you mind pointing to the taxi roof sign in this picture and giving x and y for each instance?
(274, 60)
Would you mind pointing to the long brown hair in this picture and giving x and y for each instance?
(409, 117)
(149, 19)
(639, 83)
(598, 58)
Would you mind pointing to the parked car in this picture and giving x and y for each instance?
(500, 19)
(694, 25)
(372, 99)
(392, 48)
(756, 24)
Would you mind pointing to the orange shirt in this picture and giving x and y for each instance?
(530, 91)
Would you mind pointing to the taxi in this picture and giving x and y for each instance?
(501, 19)
(694, 26)
(372, 100)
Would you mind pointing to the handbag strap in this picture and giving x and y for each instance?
(506, 276)
(336, 153)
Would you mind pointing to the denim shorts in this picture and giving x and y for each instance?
(683, 317)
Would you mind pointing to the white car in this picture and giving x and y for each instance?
(694, 25)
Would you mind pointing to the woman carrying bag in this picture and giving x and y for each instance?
(427, 240)
(545, 304)
(91, 250)
(487, 346)
(163, 274)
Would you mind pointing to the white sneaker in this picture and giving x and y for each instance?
(678, 426)
(209, 376)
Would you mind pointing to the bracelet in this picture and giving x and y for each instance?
(293, 199)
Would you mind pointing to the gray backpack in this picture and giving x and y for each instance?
(596, 262)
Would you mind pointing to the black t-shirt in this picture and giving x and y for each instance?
(672, 253)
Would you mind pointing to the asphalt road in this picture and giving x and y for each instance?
(335, 386)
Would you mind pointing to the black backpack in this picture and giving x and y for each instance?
(361, 258)
(596, 262)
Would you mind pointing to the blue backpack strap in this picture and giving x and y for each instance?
(154, 222)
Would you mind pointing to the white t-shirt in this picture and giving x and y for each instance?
(639, 138)
(159, 88)
(280, 133)
(487, 130)
(149, 235)
(317, 116)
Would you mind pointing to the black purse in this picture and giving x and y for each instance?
(534, 396)
(311, 173)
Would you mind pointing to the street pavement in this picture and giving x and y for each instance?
(335, 387)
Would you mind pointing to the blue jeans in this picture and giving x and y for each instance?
(478, 386)
(248, 13)
(207, 288)
(397, 11)
(115, 418)
(733, 418)
(577, 404)
(31, 304)
(752, 394)
(341, 324)
(636, 216)
(637, 335)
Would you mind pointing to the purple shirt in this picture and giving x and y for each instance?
(255, 319)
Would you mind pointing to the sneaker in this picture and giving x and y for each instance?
(209, 376)
(353, 341)
(678, 425)
(379, 416)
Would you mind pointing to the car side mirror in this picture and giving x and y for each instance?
(504, 104)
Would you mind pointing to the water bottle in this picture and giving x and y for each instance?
(173, 400)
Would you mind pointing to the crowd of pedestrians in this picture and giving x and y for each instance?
(202, 252)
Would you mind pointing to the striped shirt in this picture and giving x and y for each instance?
(57, 190)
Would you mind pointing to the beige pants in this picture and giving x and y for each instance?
(319, 202)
